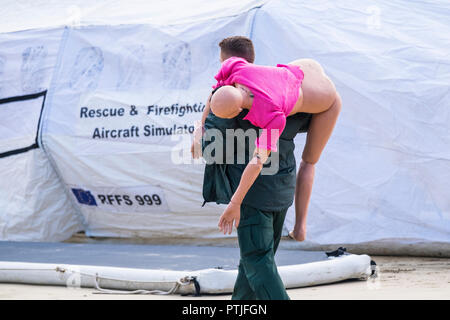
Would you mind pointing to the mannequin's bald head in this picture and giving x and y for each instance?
(227, 102)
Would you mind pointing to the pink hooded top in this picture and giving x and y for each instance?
(275, 90)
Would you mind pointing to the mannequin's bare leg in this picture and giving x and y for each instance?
(321, 99)
(319, 132)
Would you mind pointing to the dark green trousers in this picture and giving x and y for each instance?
(259, 234)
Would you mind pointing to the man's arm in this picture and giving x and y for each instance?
(206, 110)
(196, 148)
(251, 172)
(266, 142)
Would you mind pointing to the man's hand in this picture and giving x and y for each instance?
(231, 214)
(299, 233)
(196, 147)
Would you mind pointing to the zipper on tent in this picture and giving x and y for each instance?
(47, 108)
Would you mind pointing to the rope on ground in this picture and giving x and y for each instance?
(177, 284)
(187, 280)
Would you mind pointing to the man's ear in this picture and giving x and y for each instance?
(223, 56)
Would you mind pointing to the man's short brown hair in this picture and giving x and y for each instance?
(238, 46)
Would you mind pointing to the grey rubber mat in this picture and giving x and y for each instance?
(169, 257)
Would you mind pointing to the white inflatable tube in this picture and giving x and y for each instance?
(209, 280)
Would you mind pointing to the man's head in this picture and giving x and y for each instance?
(227, 102)
(237, 46)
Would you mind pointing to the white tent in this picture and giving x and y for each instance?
(108, 84)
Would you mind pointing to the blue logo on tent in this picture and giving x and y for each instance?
(84, 197)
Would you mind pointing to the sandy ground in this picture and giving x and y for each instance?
(398, 278)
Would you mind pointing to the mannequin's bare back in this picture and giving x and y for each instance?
(317, 92)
